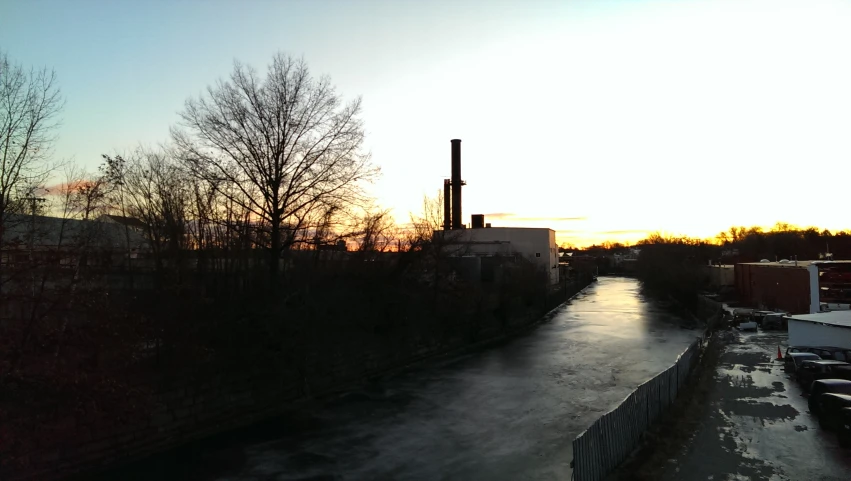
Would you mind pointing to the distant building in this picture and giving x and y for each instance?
(131, 222)
(27, 238)
(626, 261)
(470, 245)
(537, 245)
(585, 264)
(798, 287)
(340, 246)
(718, 276)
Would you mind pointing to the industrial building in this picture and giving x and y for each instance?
(537, 245)
(719, 276)
(823, 329)
(798, 287)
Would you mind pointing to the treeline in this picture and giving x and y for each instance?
(670, 265)
(784, 241)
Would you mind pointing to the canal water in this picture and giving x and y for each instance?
(509, 412)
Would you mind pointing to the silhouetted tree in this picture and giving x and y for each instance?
(30, 102)
(284, 143)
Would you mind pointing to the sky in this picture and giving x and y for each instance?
(603, 120)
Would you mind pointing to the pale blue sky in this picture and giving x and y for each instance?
(602, 110)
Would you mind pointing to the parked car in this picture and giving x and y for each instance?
(822, 386)
(794, 359)
(830, 406)
(810, 371)
(747, 326)
(843, 431)
(741, 316)
(773, 322)
(792, 349)
(759, 316)
(830, 352)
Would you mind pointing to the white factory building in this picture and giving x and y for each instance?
(537, 245)
(822, 329)
(480, 240)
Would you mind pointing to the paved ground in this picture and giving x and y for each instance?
(506, 413)
(756, 425)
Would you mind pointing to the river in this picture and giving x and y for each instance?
(508, 412)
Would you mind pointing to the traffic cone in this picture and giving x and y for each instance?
(779, 354)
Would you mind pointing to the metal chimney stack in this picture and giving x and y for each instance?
(456, 184)
(447, 209)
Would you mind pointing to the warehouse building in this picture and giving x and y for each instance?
(823, 329)
(536, 245)
(479, 240)
(797, 287)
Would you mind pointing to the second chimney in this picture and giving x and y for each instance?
(447, 209)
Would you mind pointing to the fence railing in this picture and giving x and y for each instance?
(608, 442)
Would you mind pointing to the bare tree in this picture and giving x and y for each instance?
(377, 231)
(79, 197)
(152, 187)
(29, 104)
(286, 141)
(421, 231)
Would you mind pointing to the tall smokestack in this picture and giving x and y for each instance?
(456, 184)
(447, 209)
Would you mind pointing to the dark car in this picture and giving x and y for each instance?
(822, 386)
(791, 349)
(810, 371)
(794, 359)
(829, 352)
(829, 408)
(758, 316)
(843, 427)
(773, 322)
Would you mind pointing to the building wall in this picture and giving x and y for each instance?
(803, 333)
(774, 287)
(536, 245)
(720, 276)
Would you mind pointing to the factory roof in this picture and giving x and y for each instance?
(832, 318)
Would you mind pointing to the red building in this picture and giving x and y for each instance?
(799, 287)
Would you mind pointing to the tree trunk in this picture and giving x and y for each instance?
(275, 251)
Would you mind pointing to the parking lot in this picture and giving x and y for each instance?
(755, 422)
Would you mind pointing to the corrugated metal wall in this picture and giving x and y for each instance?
(608, 442)
(774, 287)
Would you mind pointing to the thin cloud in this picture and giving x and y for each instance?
(622, 232)
(504, 215)
(65, 186)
